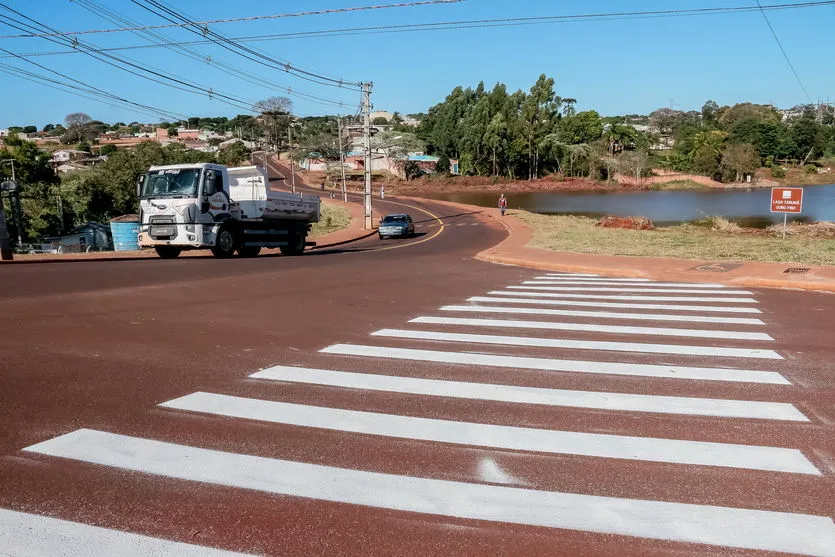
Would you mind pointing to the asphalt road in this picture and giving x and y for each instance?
(608, 418)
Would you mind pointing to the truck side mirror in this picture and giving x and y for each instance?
(139, 180)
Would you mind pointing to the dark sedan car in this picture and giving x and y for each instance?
(396, 225)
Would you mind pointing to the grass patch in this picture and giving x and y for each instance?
(334, 217)
(679, 185)
(687, 241)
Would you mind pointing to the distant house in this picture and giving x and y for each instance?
(68, 155)
(185, 134)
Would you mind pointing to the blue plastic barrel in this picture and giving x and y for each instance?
(125, 235)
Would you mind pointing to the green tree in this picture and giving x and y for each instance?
(442, 165)
(380, 121)
(738, 160)
(583, 127)
(540, 112)
(234, 154)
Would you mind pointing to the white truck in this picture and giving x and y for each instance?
(229, 210)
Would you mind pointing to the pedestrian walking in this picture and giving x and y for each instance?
(502, 204)
(382, 192)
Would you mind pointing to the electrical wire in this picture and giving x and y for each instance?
(477, 23)
(120, 63)
(97, 91)
(785, 55)
(241, 50)
(74, 90)
(162, 40)
(134, 27)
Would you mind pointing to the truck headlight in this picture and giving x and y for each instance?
(189, 228)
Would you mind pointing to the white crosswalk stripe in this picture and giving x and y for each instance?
(675, 451)
(547, 299)
(635, 297)
(622, 283)
(679, 349)
(593, 314)
(594, 328)
(30, 535)
(545, 364)
(543, 285)
(599, 400)
(726, 526)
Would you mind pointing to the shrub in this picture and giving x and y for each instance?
(778, 171)
(810, 169)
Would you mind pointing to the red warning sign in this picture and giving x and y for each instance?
(786, 200)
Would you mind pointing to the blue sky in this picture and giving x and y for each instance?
(616, 66)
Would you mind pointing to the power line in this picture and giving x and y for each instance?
(95, 90)
(162, 40)
(74, 90)
(232, 20)
(783, 50)
(242, 50)
(475, 24)
(133, 68)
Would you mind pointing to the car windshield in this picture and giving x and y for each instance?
(174, 182)
(394, 219)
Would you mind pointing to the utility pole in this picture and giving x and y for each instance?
(342, 159)
(292, 162)
(366, 136)
(6, 253)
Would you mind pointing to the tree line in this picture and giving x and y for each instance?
(525, 134)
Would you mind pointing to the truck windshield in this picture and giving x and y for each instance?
(181, 182)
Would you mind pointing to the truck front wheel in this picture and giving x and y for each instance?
(226, 243)
(167, 252)
(295, 245)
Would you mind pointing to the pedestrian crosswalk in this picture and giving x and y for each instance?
(647, 360)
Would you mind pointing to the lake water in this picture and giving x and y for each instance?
(747, 207)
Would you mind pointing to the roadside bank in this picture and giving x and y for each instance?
(608, 259)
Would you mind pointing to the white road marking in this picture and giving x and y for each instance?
(32, 535)
(684, 522)
(596, 314)
(637, 297)
(541, 285)
(594, 328)
(644, 283)
(599, 400)
(773, 459)
(544, 298)
(591, 279)
(545, 364)
(678, 349)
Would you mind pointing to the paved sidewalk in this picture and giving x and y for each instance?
(514, 251)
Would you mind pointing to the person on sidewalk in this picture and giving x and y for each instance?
(502, 204)
(382, 192)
